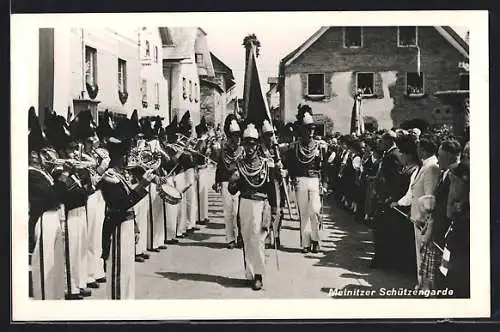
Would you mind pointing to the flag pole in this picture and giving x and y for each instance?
(252, 55)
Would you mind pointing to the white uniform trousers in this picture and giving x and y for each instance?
(191, 198)
(95, 220)
(141, 210)
(230, 205)
(76, 256)
(203, 184)
(251, 214)
(309, 203)
(171, 215)
(120, 268)
(180, 184)
(158, 218)
(47, 262)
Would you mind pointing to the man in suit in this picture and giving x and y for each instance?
(388, 188)
(422, 187)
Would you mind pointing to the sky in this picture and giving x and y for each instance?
(226, 44)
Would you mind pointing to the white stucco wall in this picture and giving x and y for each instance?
(24, 64)
(153, 73)
(339, 107)
(69, 69)
(188, 70)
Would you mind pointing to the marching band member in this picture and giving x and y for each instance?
(171, 166)
(120, 231)
(306, 168)
(46, 240)
(268, 150)
(157, 204)
(83, 128)
(141, 209)
(74, 197)
(252, 181)
(230, 153)
(186, 129)
(203, 148)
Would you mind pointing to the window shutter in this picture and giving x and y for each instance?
(378, 88)
(303, 78)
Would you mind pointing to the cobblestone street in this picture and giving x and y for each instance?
(201, 267)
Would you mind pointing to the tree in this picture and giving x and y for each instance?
(371, 124)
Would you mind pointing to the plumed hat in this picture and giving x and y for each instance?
(119, 141)
(147, 128)
(106, 126)
(134, 123)
(202, 127)
(158, 127)
(57, 131)
(83, 126)
(185, 124)
(172, 128)
(250, 132)
(231, 124)
(267, 127)
(36, 138)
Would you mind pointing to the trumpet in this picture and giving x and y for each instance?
(180, 147)
(187, 140)
(144, 158)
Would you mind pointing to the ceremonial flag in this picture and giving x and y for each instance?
(357, 122)
(254, 99)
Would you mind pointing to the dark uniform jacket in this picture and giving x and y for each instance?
(120, 198)
(42, 197)
(298, 166)
(389, 185)
(226, 166)
(258, 187)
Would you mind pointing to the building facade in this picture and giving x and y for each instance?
(397, 69)
(273, 98)
(154, 99)
(94, 68)
(217, 98)
(180, 46)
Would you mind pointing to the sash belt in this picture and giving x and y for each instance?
(254, 196)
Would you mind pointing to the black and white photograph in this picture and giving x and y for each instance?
(208, 163)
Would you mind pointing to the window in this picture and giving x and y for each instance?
(157, 96)
(414, 84)
(122, 75)
(407, 36)
(184, 93)
(315, 84)
(90, 66)
(365, 84)
(464, 81)
(156, 54)
(199, 59)
(144, 92)
(353, 37)
(190, 90)
(148, 52)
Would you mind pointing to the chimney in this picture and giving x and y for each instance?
(467, 37)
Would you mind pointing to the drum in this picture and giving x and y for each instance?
(169, 194)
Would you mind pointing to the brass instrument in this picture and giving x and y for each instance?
(181, 147)
(144, 158)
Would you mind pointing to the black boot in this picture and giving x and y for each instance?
(315, 247)
(257, 282)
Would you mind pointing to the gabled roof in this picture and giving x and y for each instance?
(220, 66)
(447, 32)
(178, 42)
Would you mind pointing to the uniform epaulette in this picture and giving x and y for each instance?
(110, 176)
